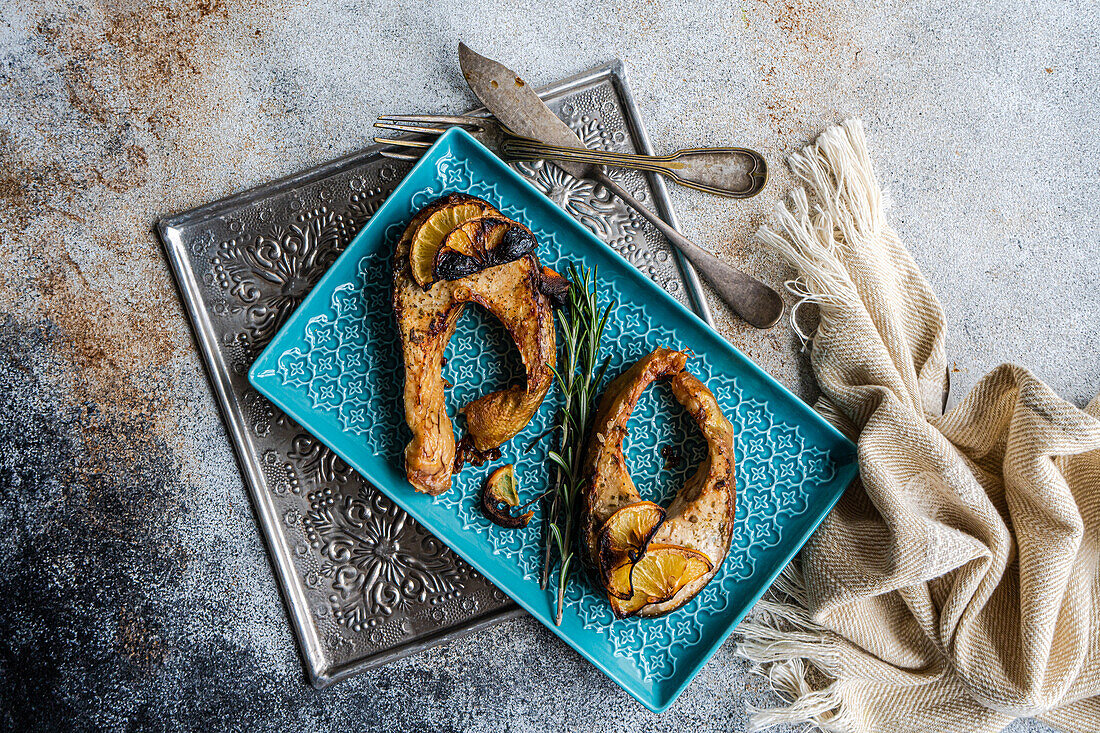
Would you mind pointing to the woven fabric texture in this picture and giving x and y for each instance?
(955, 586)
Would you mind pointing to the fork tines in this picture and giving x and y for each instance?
(424, 125)
(463, 120)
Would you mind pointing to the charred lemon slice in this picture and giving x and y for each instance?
(624, 537)
(481, 243)
(500, 497)
(658, 576)
(434, 229)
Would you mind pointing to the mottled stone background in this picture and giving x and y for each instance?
(134, 590)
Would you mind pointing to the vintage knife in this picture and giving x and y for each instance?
(517, 105)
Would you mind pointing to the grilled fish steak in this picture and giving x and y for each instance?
(701, 515)
(427, 317)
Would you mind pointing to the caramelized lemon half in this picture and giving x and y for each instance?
(481, 243)
(430, 234)
(655, 578)
(623, 538)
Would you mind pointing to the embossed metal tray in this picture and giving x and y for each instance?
(336, 367)
(364, 583)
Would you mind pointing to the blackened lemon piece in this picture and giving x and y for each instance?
(454, 211)
(500, 496)
(481, 243)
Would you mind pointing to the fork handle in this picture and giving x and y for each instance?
(731, 172)
(751, 299)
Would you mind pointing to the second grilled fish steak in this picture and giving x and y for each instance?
(701, 515)
(426, 319)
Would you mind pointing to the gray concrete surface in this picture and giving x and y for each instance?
(119, 496)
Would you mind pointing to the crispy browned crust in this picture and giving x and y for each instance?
(427, 318)
(701, 515)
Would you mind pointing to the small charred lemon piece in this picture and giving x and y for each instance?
(500, 496)
(430, 235)
(623, 538)
(481, 243)
(658, 576)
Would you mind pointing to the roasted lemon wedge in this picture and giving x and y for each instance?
(624, 536)
(655, 578)
(500, 496)
(449, 214)
(481, 243)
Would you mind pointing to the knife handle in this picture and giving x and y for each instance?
(751, 299)
(738, 173)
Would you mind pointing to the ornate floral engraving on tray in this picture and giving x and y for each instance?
(267, 275)
(375, 583)
(376, 559)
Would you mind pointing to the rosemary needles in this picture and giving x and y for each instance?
(581, 325)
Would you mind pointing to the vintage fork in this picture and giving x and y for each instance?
(732, 172)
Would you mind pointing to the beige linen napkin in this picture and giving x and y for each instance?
(956, 586)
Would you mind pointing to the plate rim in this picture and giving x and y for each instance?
(657, 703)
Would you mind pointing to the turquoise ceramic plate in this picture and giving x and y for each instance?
(335, 367)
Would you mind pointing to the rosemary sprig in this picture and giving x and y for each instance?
(581, 327)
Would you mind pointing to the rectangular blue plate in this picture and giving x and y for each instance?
(335, 367)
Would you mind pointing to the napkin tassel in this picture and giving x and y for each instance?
(788, 649)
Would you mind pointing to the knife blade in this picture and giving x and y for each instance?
(515, 103)
(518, 107)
